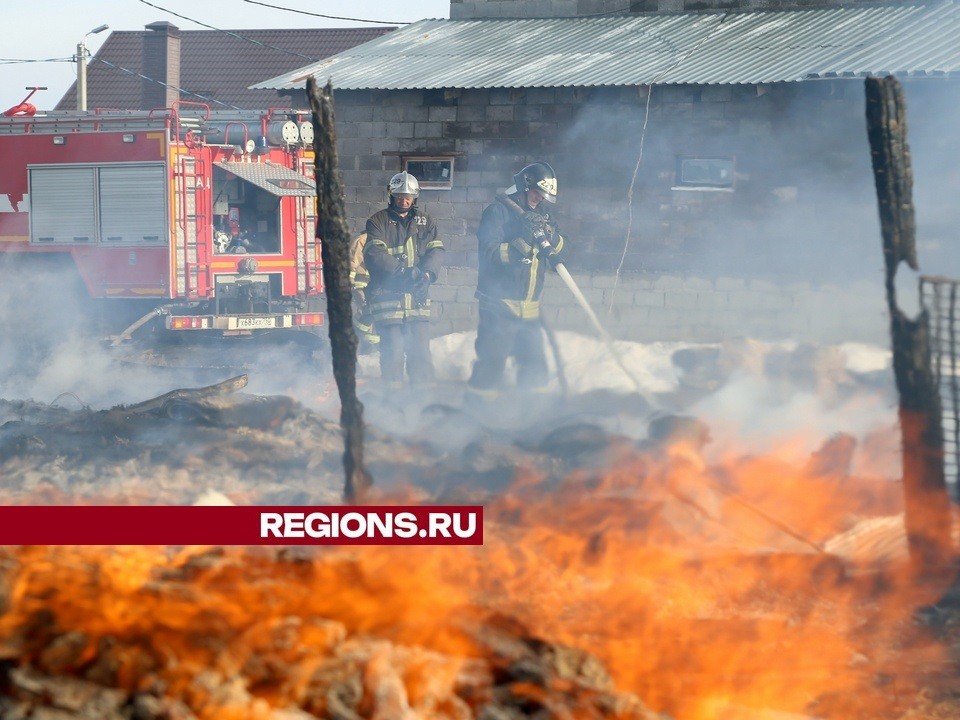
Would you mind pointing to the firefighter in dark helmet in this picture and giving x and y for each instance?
(518, 241)
(403, 256)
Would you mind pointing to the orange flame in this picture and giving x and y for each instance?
(709, 592)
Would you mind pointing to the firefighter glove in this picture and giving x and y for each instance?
(549, 253)
(409, 276)
(420, 289)
(553, 258)
(537, 226)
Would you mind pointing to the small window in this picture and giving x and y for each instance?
(433, 173)
(705, 173)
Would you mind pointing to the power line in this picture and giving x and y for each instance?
(180, 90)
(231, 33)
(328, 17)
(14, 61)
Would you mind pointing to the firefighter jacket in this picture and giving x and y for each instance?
(512, 265)
(396, 245)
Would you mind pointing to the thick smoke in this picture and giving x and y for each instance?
(55, 351)
(803, 203)
(50, 352)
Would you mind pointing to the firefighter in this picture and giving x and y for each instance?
(359, 279)
(517, 242)
(403, 257)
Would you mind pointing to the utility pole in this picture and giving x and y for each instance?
(82, 67)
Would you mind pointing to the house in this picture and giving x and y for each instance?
(151, 68)
(715, 173)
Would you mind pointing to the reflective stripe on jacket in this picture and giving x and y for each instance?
(512, 270)
(395, 243)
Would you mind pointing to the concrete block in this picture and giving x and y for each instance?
(594, 280)
(471, 113)
(697, 284)
(541, 96)
(398, 129)
(631, 319)
(569, 95)
(427, 130)
(763, 286)
(443, 293)
(346, 130)
(461, 276)
(441, 327)
(649, 298)
(354, 113)
(500, 112)
(668, 282)
(635, 281)
(477, 96)
(389, 113)
(438, 211)
(373, 130)
(681, 299)
(373, 163)
(527, 113)
(729, 284)
(372, 195)
(717, 302)
(442, 113)
(466, 294)
(415, 113)
(745, 300)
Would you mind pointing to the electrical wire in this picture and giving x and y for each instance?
(643, 135)
(328, 17)
(14, 61)
(231, 33)
(180, 90)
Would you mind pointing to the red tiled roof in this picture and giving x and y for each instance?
(214, 64)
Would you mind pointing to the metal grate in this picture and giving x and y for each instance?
(939, 296)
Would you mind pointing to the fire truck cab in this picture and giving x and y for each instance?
(205, 218)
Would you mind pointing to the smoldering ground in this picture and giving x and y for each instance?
(280, 438)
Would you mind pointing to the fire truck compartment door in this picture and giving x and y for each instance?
(62, 207)
(133, 206)
(117, 203)
(275, 179)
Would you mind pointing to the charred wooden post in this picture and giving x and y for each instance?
(335, 254)
(926, 501)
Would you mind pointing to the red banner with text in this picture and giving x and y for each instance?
(240, 525)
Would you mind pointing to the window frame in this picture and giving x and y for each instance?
(405, 161)
(681, 184)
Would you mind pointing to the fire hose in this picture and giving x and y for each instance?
(126, 334)
(568, 280)
(24, 108)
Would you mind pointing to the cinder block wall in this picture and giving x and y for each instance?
(693, 309)
(793, 251)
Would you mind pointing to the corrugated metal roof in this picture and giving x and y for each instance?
(695, 48)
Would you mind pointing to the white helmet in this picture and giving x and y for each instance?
(403, 183)
(538, 176)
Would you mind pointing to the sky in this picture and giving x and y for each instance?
(45, 29)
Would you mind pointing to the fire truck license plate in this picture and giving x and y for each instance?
(256, 323)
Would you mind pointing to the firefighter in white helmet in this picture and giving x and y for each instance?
(403, 256)
(517, 242)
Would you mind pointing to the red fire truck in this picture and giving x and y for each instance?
(205, 219)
